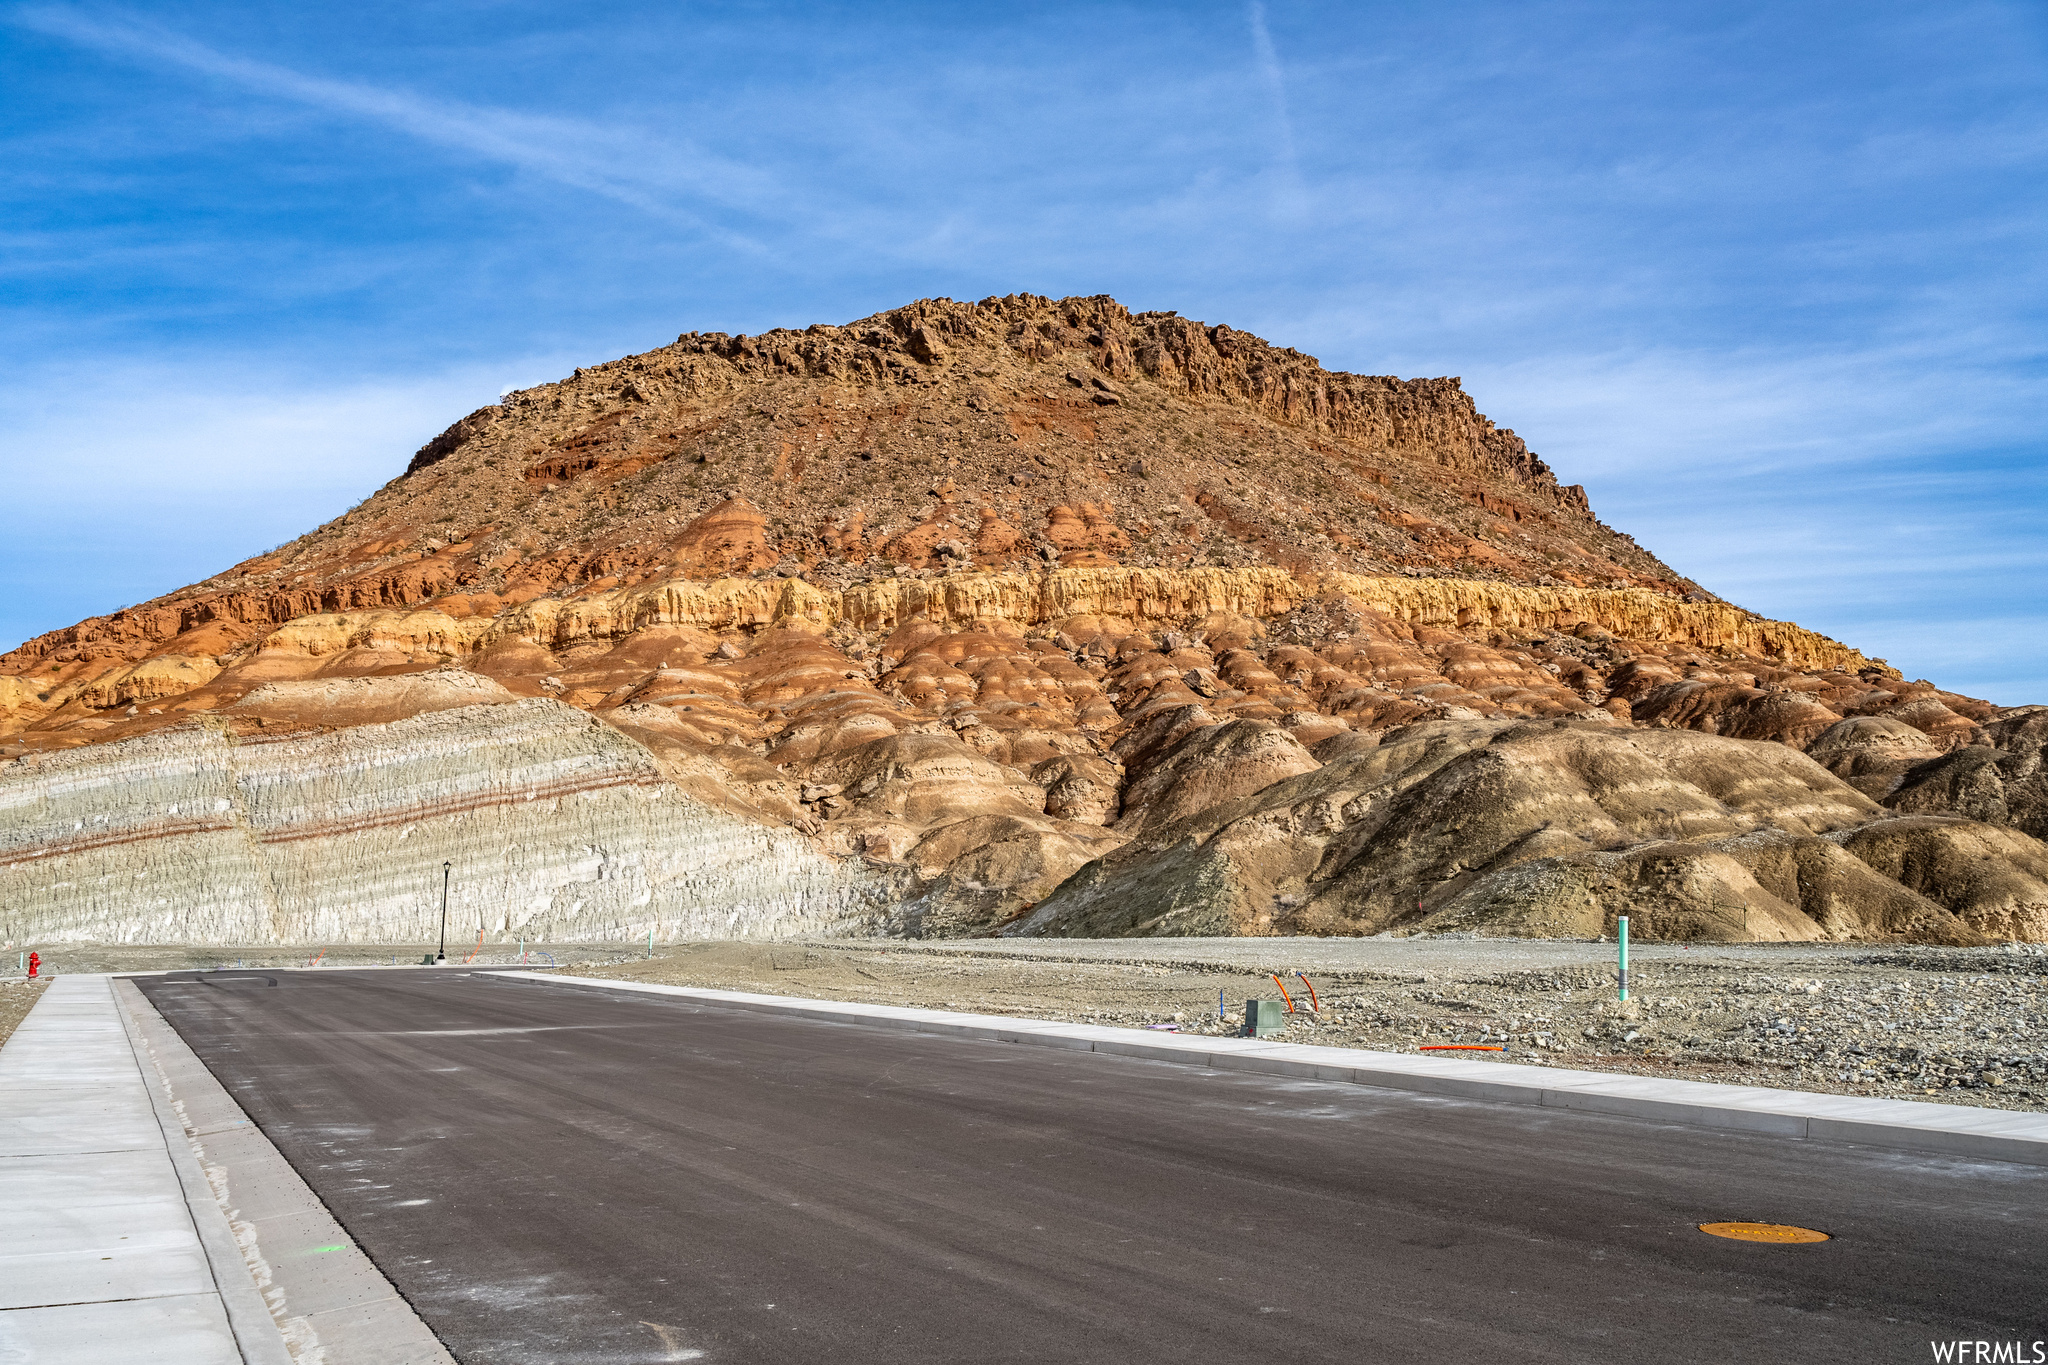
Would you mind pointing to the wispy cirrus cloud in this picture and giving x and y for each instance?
(1888, 497)
(668, 177)
(1767, 279)
(176, 470)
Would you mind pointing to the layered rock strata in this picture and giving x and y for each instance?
(1662, 663)
(1024, 615)
(1549, 829)
(555, 826)
(1019, 432)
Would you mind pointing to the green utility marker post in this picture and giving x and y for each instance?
(1623, 926)
(650, 944)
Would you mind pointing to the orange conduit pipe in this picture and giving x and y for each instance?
(1283, 992)
(1313, 1003)
(474, 951)
(1460, 1047)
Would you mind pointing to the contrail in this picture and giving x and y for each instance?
(1293, 196)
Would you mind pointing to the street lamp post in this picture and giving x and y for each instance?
(442, 956)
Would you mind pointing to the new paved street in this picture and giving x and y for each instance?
(553, 1174)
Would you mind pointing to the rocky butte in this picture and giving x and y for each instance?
(1026, 616)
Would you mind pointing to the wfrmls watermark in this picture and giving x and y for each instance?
(1990, 1352)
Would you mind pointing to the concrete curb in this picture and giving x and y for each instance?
(111, 1253)
(1948, 1130)
(318, 1288)
(338, 967)
(257, 1334)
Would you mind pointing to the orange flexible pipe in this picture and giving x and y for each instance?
(1283, 992)
(1313, 1003)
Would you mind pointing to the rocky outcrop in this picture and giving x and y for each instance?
(555, 824)
(2001, 780)
(1994, 879)
(1037, 431)
(340, 702)
(1095, 600)
(975, 740)
(1202, 767)
(1552, 828)
(1873, 753)
(1031, 613)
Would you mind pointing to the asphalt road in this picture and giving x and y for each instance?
(554, 1174)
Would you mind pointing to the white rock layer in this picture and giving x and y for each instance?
(559, 828)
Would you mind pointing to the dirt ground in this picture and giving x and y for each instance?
(17, 998)
(1955, 1026)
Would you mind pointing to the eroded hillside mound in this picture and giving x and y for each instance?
(970, 598)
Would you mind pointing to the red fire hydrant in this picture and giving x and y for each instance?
(35, 960)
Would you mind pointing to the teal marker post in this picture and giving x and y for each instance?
(1622, 925)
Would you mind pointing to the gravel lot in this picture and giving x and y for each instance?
(1956, 1025)
(1962, 1026)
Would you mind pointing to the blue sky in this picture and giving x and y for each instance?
(1768, 279)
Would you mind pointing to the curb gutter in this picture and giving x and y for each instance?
(289, 1262)
(1907, 1125)
(257, 1334)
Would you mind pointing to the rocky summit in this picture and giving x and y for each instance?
(1021, 616)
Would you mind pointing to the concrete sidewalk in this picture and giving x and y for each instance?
(120, 1245)
(1944, 1129)
(107, 1256)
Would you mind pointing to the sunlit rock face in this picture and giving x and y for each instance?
(555, 825)
(1555, 828)
(1025, 615)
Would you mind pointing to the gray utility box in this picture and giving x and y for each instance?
(1263, 1017)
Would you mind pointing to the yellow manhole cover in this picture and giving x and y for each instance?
(1763, 1232)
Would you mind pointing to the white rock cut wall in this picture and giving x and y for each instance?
(559, 828)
